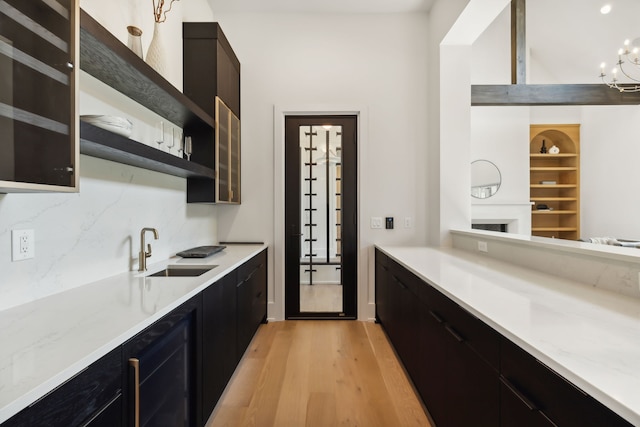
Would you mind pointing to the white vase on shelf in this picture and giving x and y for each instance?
(155, 54)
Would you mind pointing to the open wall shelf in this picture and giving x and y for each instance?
(106, 58)
(555, 181)
(101, 143)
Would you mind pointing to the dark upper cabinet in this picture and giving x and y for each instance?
(227, 154)
(210, 66)
(91, 398)
(211, 74)
(38, 96)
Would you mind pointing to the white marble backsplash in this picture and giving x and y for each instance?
(612, 268)
(93, 234)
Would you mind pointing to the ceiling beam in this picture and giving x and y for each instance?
(518, 42)
(558, 94)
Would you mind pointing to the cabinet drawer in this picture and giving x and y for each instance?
(79, 399)
(466, 327)
(551, 394)
(251, 267)
(404, 277)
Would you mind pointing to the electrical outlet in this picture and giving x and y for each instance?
(376, 222)
(407, 222)
(22, 244)
(482, 246)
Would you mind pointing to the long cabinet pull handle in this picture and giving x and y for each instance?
(435, 316)
(453, 332)
(135, 364)
(524, 399)
(399, 282)
(250, 275)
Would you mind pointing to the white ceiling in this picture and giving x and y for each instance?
(321, 6)
(570, 38)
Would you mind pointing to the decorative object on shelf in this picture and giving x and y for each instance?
(160, 133)
(172, 141)
(630, 52)
(134, 41)
(118, 125)
(155, 54)
(543, 149)
(554, 150)
(188, 147)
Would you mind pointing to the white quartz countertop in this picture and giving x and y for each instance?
(588, 335)
(46, 342)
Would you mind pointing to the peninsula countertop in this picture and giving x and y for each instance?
(48, 341)
(588, 335)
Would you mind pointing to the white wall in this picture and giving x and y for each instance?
(94, 234)
(442, 16)
(499, 134)
(376, 63)
(455, 114)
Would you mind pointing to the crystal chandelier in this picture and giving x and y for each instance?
(627, 55)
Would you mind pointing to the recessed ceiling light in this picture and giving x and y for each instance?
(605, 9)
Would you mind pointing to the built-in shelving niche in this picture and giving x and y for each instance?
(106, 58)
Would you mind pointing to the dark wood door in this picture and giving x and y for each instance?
(320, 211)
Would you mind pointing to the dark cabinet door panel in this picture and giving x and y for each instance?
(557, 398)
(219, 340)
(80, 399)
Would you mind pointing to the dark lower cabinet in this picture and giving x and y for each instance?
(173, 372)
(549, 399)
(233, 308)
(91, 398)
(163, 370)
(219, 340)
(251, 294)
(466, 373)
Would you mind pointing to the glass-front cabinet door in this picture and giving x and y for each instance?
(227, 154)
(38, 95)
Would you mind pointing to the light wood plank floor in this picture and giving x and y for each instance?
(319, 374)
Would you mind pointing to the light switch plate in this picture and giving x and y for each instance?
(22, 244)
(376, 222)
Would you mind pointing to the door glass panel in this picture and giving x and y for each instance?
(36, 92)
(222, 123)
(320, 219)
(235, 159)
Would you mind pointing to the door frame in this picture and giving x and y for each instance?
(364, 289)
(293, 205)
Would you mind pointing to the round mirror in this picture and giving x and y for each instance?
(485, 179)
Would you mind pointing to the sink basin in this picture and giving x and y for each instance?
(182, 271)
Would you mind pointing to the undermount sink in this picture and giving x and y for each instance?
(182, 271)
